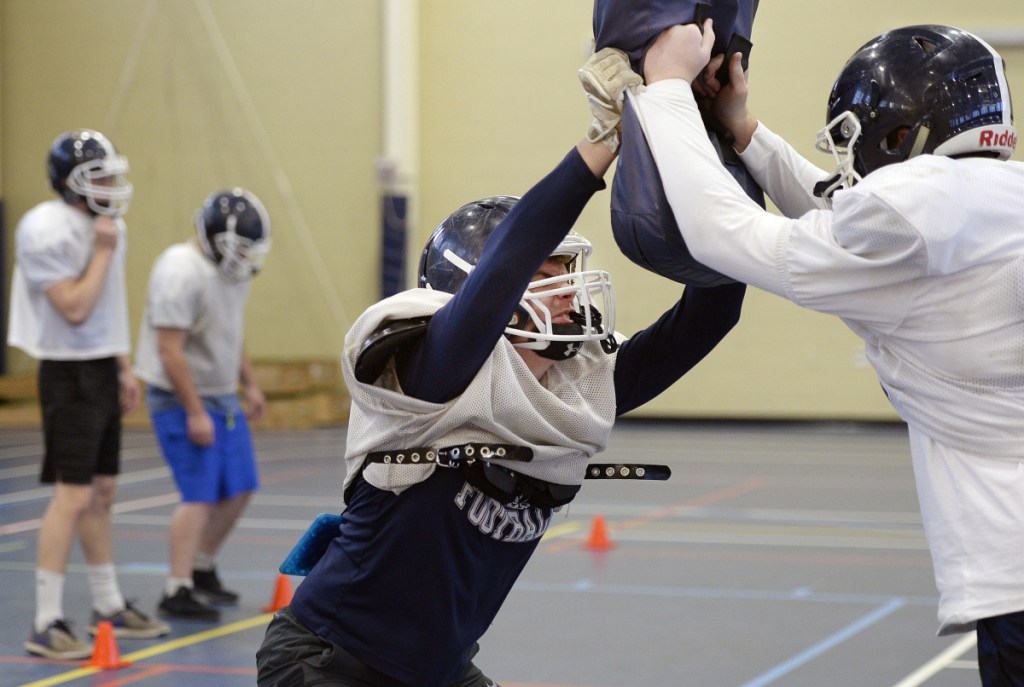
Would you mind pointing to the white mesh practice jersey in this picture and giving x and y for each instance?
(924, 260)
(566, 417)
(54, 242)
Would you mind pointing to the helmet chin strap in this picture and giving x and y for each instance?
(920, 139)
(563, 350)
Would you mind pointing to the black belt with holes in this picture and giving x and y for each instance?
(467, 454)
(451, 456)
(628, 471)
(504, 484)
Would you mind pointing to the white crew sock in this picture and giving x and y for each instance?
(203, 561)
(49, 598)
(176, 583)
(106, 595)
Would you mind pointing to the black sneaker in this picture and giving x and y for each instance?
(207, 585)
(185, 605)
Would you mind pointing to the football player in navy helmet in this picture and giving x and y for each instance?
(69, 310)
(455, 247)
(917, 243)
(917, 90)
(191, 354)
(478, 400)
(234, 231)
(85, 168)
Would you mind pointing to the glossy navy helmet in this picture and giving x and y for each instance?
(234, 232)
(455, 247)
(83, 166)
(944, 87)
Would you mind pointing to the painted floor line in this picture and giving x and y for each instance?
(943, 660)
(662, 513)
(733, 594)
(562, 530)
(123, 480)
(162, 648)
(828, 643)
(120, 507)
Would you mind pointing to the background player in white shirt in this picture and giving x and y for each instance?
(70, 311)
(192, 356)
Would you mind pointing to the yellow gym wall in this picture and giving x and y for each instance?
(284, 97)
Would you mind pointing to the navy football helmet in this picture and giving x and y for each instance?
(455, 247)
(84, 166)
(944, 86)
(234, 231)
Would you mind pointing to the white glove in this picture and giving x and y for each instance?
(605, 78)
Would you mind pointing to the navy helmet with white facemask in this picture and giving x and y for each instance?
(234, 231)
(455, 247)
(942, 89)
(84, 167)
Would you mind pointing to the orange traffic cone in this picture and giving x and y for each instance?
(282, 595)
(599, 540)
(105, 654)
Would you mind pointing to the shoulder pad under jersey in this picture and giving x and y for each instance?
(384, 342)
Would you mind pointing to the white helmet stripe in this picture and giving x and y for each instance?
(1004, 88)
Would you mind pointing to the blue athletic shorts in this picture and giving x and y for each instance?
(207, 474)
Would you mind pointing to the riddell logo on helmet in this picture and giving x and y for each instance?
(987, 138)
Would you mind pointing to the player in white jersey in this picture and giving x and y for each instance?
(69, 310)
(917, 243)
(192, 357)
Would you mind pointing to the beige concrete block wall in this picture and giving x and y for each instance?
(283, 96)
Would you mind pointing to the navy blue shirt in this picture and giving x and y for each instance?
(415, 579)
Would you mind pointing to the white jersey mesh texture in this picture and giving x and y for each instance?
(566, 417)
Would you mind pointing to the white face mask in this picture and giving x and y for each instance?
(589, 288)
(240, 257)
(104, 184)
(846, 176)
(237, 257)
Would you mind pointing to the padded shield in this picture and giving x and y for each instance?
(642, 220)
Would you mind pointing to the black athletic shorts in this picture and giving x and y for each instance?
(81, 419)
(1001, 650)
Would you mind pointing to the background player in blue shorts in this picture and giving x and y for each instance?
(191, 355)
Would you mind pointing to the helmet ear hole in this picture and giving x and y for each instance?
(894, 139)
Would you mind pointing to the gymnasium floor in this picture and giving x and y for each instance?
(776, 555)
